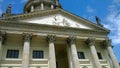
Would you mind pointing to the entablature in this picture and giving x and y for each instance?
(50, 29)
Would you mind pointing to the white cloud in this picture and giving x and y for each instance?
(113, 24)
(117, 2)
(90, 9)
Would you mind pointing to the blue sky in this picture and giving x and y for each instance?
(107, 10)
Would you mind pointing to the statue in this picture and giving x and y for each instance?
(98, 21)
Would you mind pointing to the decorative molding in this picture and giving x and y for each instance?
(27, 37)
(71, 40)
(51, 38)
(90, 41)
(3, 36)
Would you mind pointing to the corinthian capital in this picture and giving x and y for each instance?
(90, 41)
(107, 42)
(51, 38)
(27, 36)
(71, 40)
(3, 36)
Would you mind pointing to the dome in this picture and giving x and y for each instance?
(39, 5)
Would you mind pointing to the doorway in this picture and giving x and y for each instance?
(61, 56)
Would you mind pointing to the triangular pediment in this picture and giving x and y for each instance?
(57, 20)
(57, 17)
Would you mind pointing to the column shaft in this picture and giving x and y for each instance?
(42, 6)
(114, 60)
(52, 7)
(69, 57)
(52, 58)
(75, 62)
(95, 56)
(32, 8)
(74, 56)
(111, 53)
(91, 43)
(26, 51)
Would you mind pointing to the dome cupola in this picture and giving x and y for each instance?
(39, 5)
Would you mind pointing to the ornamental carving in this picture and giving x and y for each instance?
(107, 42)
(90, 41)
(59, 20)
(51, 38)
(27, 36)
(2, 36)
(71, 40)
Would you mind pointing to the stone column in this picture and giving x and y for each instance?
(2, 40)
(32, 8)
(107, 42)
(72, 42)
(26, 50)
(69, 57)
(52, 59)
(42, 6)
(91, 43)
(52, 7)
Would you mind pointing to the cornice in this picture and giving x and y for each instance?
(31, 15)
(31, 27)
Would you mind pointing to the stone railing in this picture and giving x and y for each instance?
(85, 63)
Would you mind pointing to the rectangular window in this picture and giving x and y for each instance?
(37, 54)
(12, 54)
(99, 55)
(81, 55)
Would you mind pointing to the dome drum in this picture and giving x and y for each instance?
(38, 5)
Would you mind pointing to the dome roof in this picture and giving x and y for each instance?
(39, 5)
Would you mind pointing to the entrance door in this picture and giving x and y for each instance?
(61, 56)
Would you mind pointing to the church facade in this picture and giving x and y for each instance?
(46, 36)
